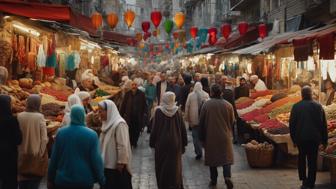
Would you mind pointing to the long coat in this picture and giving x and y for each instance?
(133, 110)
(169, 138)
(216, 121)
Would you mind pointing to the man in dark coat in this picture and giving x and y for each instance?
(161, 87)
(242, 90)
(308, 130)
(133, 111)
(10, 138)
(168, 138)
(216, 120)
(185, 90)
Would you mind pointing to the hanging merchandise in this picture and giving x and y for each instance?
(145, 26)
(226, 30)
(129, 17)
(202, 34)
(193, 32)
(112, 19)
(97, 20)
(332, 70)
(327, 46)
(156, 17)
(243, 28)
(324, 69)
(147, 35)
(179, 19)
(262, 29)
(138, 36)
(310, 64)
(168, 25)
(212, 36)
(41, 57)
(190, 46)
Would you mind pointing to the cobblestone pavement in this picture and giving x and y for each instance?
(196, 175)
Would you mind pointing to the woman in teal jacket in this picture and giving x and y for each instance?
(76, 161)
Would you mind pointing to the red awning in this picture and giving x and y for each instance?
(42, 11)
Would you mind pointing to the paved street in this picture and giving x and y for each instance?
(196, 175)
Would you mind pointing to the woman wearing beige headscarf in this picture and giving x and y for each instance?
(34, 141)
(168, 138)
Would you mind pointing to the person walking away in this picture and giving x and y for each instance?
(308, 130)
(116, 147)
(72, 100)
(76, 160)
(33, 149)
(205, 84)
(179, 85)
(185, 90)
(242, 90)
(10, 138)
(168, 138)
(216, 120)
(161, 87)
(150, 97)
(192, 109)
(133, 110)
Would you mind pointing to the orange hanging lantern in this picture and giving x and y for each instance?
(97, 20)
(129, 17)
(179, 19)
(112, 20)
(138, 36)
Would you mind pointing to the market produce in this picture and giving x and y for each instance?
(26, 83)
(330, 111)
(242, 100)
(280, 102)
(294, 89)
(278, 131)
(260, 146)
(264, 97)
(52, 109)
(282, 109)
(331, 149)
(260, 93)
(100, 92)
(284, 117)
(244, 104)
(61, 95)
(256, 105)
(251, 115)
(261, 118)
(272, 123)
(278, 96)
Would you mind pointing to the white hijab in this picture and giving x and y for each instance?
(113, 116)
(198, 89)
(83, 95)
(72, 100)
(168, 104)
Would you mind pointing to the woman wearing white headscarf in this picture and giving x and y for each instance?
(72, 100)
(192, 110)
(115, 147)
(85, 97)
(168, 138)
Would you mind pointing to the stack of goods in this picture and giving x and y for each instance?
(251, 115)
(242, 99)
(101, 92)
(330, 111)
(331, 128)
(261, 118)
(17, 95)
(331, 149)
(278, 103)
(260, 93)
(53, 111)
(259, 154)
(294, 89)
(61, 95)
(278, 96)
(284, 117)
(111, 90)
(256, 105)
(278, 131)
(244, 104)
(272, 124)
(280, 110)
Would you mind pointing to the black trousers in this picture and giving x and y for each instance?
(117, 180)
(308, 151)
(214, 173)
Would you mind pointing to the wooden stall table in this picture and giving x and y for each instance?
(332, 170)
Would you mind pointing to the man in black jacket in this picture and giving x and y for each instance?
(308, 130)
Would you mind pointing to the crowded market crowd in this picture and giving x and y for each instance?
(94, 145)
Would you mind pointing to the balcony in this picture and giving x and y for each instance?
(241, 4)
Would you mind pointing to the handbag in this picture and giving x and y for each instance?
(32, 165)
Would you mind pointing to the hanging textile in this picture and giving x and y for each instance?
(31, 61)
(51, 60)
(21, 49)
(41, 57)
(327, 46)
(302, 49)
(5, 53)
(104, 61)
(324, 69)
(310, 64)
(332, 70)
(77, 59)
(70, 63)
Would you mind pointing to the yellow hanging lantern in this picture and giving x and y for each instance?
(97, 20)
(129, 17)
(179, 19)
(112, 20)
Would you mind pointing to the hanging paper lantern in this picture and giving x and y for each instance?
(179, 19)
(168, 25)
(212, 36)
(156, 17)
(145, 26)
(226, 30)
(112, 19)
(129, 17)
(147, 35)
(262, 29)
(175, 35)
(97, 20)
(193, 32)
(243, 28)
(138, 36)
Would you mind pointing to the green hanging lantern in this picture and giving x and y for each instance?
(168, 25)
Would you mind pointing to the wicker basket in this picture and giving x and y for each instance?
(259, 158)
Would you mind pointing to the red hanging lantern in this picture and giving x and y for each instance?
(147, 35)
(97, 20)
(145, 26)
(175, 35)
(156, 17)
(262, 29)
(193, 32)
(243, 28)
(212, 36)
(226, 30)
